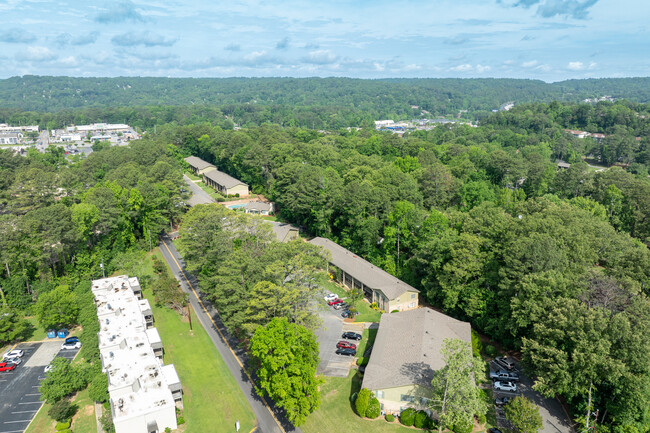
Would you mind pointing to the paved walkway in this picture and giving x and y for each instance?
(269, 418)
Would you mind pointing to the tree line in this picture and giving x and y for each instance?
(548, 261)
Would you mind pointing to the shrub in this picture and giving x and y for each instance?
(374, 408)
(362, 401)
(431, 424)
(64, 425)
(374, 306)
(180, 420)
(107, 421)
(481, 419)
(66, 430)
(490, 350)
(463, 428)
(407, 417)
(420, 420)
(62, 410)
(98, 389)
(390, 417)
(477, 345)
(220, 199)
(236, 194)
(395, 311)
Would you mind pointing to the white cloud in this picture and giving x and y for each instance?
(462, 68)
(529, 64)
(37, 54)
(482, 68)
(69, 61)
(576, 66)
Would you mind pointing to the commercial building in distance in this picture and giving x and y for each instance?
(143, 391)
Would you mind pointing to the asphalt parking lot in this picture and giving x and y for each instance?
(328, 335)
(553, 416)
(19, 388)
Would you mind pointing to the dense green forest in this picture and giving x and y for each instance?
(551, 262)
(302, 102)
(548, 261)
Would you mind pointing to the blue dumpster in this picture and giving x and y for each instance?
(51, 333)
(62, 333)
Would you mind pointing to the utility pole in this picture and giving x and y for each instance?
(189, 314)
(101, 265)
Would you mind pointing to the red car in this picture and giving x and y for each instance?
(334, 302)
(345, 345)
(7, 366)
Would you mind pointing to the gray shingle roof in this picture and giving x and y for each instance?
(258, 205)
(223, 179)
(407, 348)
(197, 162)
(281, 230)
(367, 273)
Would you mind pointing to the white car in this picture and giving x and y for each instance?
(16, 360)
(48, 368)
(71, 345)
(331, 297)
(505, 386)
(16, 353)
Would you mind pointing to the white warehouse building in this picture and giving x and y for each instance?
(143, 392)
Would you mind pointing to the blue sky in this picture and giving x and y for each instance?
(550, 40)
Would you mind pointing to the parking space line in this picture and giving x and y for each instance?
(13, 431)
(32, 402)
(38, 393)
(15, 422)
(25, 411)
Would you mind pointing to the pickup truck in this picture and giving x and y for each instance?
(504, 376)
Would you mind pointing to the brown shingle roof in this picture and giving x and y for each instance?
(407, 348)
(369, 274)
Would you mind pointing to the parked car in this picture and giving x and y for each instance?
(347, 313)
(341, 305)
(494, 430)
(347, 352)
(346, 345)
(505, 386)
(16, 353)
(334, 302)
(351, 336)
(75, 345)
(330, 297)
(504, 375)
(505, 362)
(7, 365)
(72, 339)
(501, 401)
(15, 360)
(47, 368)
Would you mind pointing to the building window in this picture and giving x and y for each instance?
(405, 397)
(380, 394)
(413, 296)
(412, 305)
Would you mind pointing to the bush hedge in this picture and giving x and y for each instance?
(390, 417)
(463, 428)
(407, 417)
(490, 350)
(374, 408)
(362, 401)
(64, 425)
(420, 420)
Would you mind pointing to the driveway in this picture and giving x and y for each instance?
(198, 195)
(553, 416)
(19, 388)
(328, 335)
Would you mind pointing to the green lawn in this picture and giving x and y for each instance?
(366, 314)
(336, 415)
(191, 175)
(212, 399)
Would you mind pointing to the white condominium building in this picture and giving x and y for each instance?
(143, 392)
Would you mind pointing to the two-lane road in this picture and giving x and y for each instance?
(269, 418)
